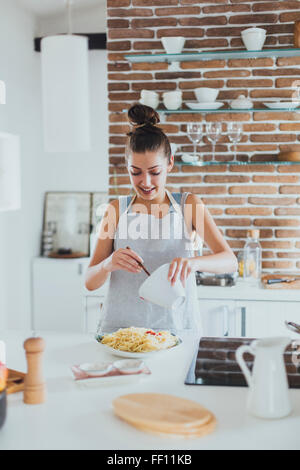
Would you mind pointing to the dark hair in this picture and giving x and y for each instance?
(146, 135)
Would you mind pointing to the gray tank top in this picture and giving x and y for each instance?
(157, 241)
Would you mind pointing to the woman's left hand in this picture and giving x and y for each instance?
(180, 268)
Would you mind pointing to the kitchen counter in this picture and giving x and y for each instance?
(243, 292)
(77, 417)
(240, 291)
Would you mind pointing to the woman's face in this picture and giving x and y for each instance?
(148, 173)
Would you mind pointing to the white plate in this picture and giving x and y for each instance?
(211, 105)
(129, 366)
(97, 369)
(283, 105)
(139, 355)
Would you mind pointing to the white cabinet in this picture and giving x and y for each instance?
(250, 318)
(218, 317)
(265, 319)
(60, 300)
(58, 294)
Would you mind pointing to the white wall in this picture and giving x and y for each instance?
(19, 238)
(20, 231)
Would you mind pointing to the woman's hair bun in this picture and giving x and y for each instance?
(140, 114)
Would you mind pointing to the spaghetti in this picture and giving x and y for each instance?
(135, 339)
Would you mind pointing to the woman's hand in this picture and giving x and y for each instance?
(180, 268)
(124, 259)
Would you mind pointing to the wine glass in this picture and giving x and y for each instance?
(195, 132)
(213, 132)
(235, 130)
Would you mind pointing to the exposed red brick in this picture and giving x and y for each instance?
(153, 22)
(130, 33)
(177, 11)
(266, 196)
(284, 201)
(205, 21)
(118, 3)
(153, 3)
(185, 32)
(277, 264)
(253, 189)
(253, 19)
(275, 222)
(131, 12)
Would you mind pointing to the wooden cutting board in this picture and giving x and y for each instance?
(164, 414)
(281, 285)
(15, 381)
(192, 433)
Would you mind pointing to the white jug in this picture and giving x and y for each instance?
(269, 395)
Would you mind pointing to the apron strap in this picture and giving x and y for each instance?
(123, 204)
(177, 207)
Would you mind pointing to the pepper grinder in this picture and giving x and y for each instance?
(34, 385)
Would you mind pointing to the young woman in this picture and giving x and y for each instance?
(153, 227)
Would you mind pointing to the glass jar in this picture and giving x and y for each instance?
(252, 263)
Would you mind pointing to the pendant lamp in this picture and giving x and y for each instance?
(65, 92)
(10, 172)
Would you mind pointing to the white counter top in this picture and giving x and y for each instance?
(82, 418)
(243, 292)
(238, 292)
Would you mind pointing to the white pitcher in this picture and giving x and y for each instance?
(269, 394)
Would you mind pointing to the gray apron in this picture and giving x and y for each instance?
(157, 241)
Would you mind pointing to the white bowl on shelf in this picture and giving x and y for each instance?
(206, 95)
(254, 38)
(173, 44)
(149, 98)
(172, 99)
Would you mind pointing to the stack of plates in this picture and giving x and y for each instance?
(165, 415)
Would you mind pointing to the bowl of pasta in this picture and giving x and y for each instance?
(138, 342)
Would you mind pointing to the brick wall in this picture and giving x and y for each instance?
(262, 196)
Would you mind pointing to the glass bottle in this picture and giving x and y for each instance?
(252, 259)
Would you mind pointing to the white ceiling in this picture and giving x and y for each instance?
(45, 8)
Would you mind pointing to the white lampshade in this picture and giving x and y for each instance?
(65, 89)
(10, 172)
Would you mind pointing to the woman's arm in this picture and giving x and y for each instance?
(97, 273)
(223, 260)
(105, 260)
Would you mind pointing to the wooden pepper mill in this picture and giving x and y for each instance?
(34, 385)
(297, 34)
